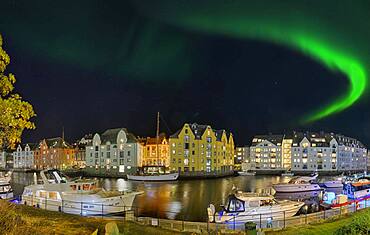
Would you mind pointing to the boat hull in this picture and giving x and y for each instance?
(261, 214)
(164, 177)
(246, 173)
(291, 188)
(104, 207)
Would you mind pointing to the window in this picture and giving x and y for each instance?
(108, 154)
(128, 153)
(121, 161)
(108, 147)
(96, 148)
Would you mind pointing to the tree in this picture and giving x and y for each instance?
(15, 114)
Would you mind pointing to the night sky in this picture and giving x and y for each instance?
(237, 65)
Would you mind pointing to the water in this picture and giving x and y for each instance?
(185, 199)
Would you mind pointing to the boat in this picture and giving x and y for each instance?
(158, 175)
(244, 207)
(287, 174)
(332, 184)
(298, 184)
(248, 172)
(154, 177)
(6, 177)
(6, 191)
(82, 197)
(357, 190)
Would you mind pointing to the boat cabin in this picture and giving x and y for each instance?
(357, 189)
(235, 204)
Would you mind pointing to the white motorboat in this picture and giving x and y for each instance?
(154, 177)
(333, 184)
(6, 191)
(298, 184)
(244, 207)
(287, 174)
(248, 172)
(81, 197)
(6, 177)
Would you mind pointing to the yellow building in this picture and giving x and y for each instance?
(200, 150)
(150, 155)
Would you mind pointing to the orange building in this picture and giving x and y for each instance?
(150, 155)
(54, 153)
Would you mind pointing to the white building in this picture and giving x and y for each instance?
(308, 151)
(265, 152)
(3, 159)
(23, 157)
(115, 152)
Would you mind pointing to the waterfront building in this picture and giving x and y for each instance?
(3, 155)
(114, 152)
(23, 156)
(266, 152)
(241, 158)
(80, 151)
(308, 152)
(153, 156)
(199, 150)
(53, 153)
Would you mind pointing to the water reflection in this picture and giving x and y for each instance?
(182, 199)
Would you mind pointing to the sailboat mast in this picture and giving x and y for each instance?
(157, 139)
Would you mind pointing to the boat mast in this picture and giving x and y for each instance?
(157, 139)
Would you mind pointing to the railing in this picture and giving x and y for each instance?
(234, 222)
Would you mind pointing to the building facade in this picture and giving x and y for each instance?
(3, 155)
(308, 152)
(266, 152)
(200, 150)
(53, 153)
(153, 156)
(80, 151)
(114, 152)
(23, 156)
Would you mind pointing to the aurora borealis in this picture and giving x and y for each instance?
(302, 64)
(250, 19)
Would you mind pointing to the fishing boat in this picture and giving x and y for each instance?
(248, 172)
(159, 173)
(332, 184)
(298, 184)
(244, 207)
(82, 197)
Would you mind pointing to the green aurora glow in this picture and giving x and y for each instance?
(300, 29)
(147, 40)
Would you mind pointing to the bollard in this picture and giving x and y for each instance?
(250, 228)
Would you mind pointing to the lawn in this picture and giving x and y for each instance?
(328, 227)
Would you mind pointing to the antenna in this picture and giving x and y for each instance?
(63, 132)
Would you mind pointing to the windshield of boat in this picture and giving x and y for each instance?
(297, 180)
(235, 205)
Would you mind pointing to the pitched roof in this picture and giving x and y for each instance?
(111, 136)
(57, 142)
(275, 139)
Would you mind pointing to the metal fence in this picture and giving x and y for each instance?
(236, 222)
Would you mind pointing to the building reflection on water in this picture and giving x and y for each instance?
(186, 199)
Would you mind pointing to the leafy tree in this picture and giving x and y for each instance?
(15, 114)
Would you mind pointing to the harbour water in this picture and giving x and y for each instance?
(185, 199)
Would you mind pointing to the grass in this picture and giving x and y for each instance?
(26, 220)
(331, 226)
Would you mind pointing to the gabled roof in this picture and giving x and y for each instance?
(57, 142)
(111, 135)
(275, 139)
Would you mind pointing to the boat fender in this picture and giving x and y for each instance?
(211, 210)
